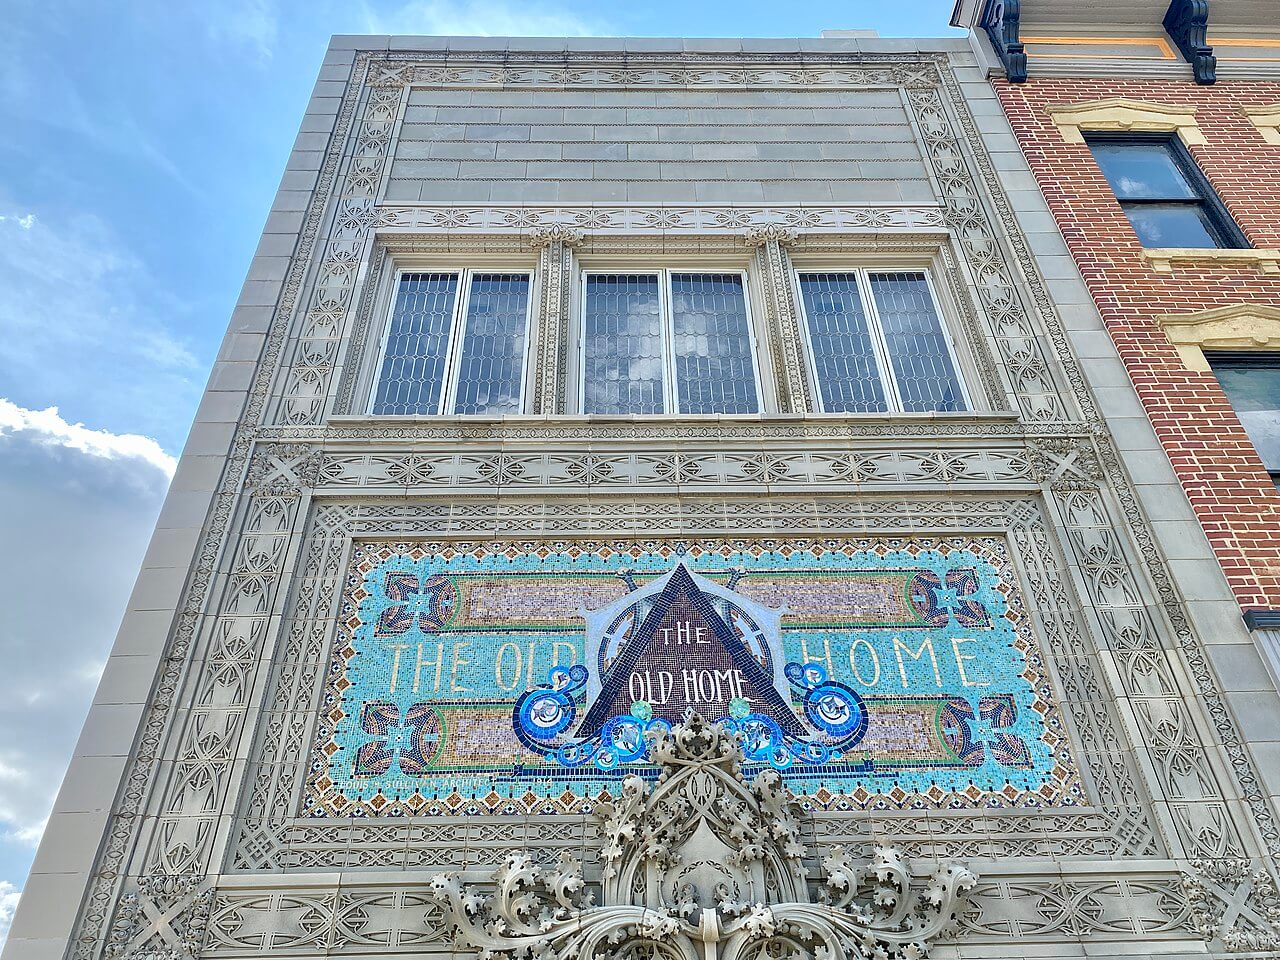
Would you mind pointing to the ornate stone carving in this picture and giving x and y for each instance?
(705, 865)
(639, 219)
(785, 341)
(1065, 463)
(569, 470)
(164, 918)
(555, 265)
(222, 691)
(556, 233)
(1039, 397)
(283, 469)
(1235, 903)
(305, 392)
(759, 236)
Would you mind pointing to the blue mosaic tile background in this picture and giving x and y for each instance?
(436, 644)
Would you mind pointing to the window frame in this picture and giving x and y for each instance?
(670, 388)
(453, 352)
(1222, 226)
(1245, 358)
(880, 345)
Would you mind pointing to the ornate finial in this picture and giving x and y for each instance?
(546, 236)
(711, 865)
(759, 236)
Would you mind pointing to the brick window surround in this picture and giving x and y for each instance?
(1162, 312)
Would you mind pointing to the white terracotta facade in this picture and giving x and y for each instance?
(184, 829)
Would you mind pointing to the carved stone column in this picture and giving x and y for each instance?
(555, 264)
(782, 317)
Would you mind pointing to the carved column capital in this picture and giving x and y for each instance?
(558, 233)
(759, 236)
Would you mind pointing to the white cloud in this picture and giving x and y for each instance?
(76, 509)
(49, 429)
(252, 24)
(9, 895)
(86, 322)
(480, 18)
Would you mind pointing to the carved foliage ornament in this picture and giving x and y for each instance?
(705, 865)
(557, 233)
(1234, 903)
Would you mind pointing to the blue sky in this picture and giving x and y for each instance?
(143, 143)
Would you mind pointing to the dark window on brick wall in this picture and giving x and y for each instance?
(1163, 192)
(1252, 384)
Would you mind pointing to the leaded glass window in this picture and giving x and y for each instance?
(456, 343)
(877, 343)
(667, 342)
(844, 353)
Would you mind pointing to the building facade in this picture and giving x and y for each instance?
(654, 500)
(1153, 135)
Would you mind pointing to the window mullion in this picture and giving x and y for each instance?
(752, 345)
(582, 341)
(887, 377)
(671, 404)
(453, 359)
(526, 364)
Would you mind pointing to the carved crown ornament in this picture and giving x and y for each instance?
(704, 865)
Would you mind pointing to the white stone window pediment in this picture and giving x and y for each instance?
(1122, 115)
(1241, 326)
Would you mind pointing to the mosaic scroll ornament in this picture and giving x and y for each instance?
(871, 674)
(682, 631)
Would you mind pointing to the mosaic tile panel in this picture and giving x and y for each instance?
(515, 679)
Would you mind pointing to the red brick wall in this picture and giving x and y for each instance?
(1231, 493)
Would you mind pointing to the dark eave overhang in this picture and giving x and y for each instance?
(1185, 21)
